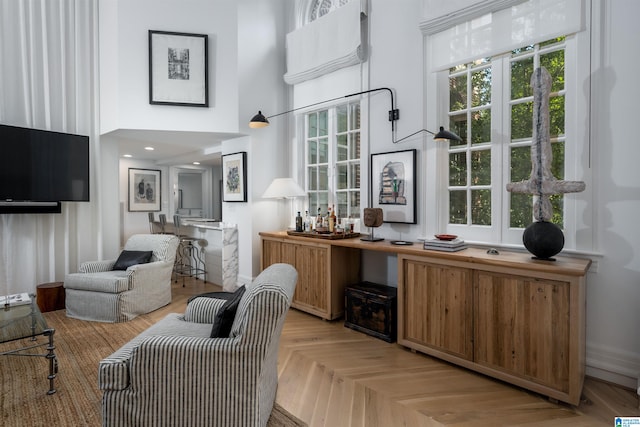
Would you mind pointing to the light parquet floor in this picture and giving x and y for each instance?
(333, 376)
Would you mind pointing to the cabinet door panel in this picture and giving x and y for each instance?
(523, 327)
(311, 263)
(271, 253)
(437, 308)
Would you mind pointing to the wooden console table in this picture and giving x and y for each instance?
(507, 316)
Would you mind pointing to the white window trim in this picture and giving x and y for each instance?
(436, 177)
(302, 175)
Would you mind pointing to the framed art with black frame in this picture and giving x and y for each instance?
(178, 69)
(144, 190)
(234, 177)
(393, 185)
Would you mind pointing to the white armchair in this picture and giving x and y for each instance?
(99, 293)
(176, 374)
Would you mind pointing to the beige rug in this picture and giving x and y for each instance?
(79, 347)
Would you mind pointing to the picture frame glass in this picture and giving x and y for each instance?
(178, 69)
(393, 185)
(234, 177)
(145, 191)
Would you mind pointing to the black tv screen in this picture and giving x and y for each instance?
(43, 166)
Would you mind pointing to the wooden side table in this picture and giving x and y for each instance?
(50, 296)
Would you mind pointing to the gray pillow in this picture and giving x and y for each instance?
(129, 258)
(225, 316)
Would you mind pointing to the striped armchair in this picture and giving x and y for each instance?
(99, 293)
(175, 374)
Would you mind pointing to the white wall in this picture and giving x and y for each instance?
(261, 36)
(613, 292)
(125, 66)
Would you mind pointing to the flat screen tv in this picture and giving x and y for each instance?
(43, 166)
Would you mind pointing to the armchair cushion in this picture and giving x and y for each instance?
(129, 258)
(203, 310)
(226, 315)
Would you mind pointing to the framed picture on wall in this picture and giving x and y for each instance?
(178, 69)
(234, 177)
(144, 190)
(393, 185)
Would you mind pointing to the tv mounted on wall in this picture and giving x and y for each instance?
(40, 169)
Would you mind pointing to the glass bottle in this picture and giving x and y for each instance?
(319, 219)
(306, 225)
(299, 222)
(332, 219)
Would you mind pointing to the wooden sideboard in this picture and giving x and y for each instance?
(507, 316)
(324, 270)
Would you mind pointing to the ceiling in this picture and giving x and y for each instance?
(172, 148)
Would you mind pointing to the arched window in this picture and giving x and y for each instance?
(318, 8)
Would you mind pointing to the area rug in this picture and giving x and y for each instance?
(77, 402)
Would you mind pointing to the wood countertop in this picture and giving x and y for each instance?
(509, 259)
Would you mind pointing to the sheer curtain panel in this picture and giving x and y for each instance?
(49, 80)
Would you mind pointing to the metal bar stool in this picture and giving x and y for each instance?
(163, 223)
(152, 220)
(189, 257)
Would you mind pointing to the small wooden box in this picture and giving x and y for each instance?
(372, 309)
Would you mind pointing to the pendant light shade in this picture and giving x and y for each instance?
(445, 135)
(258, 121)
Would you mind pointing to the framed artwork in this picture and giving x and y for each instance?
(144, 190)
(393, 185)
(178, 69)
(234, 177)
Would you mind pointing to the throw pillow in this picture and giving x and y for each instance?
(129, 258)
(225, 316)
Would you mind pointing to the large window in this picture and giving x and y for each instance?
(491, 108)
(332, 160)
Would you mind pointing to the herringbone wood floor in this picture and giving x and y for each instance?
(333, 376)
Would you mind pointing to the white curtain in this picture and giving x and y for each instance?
(49, 80)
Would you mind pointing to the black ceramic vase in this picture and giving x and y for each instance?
(543, 239)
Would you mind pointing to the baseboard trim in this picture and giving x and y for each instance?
(619, 367)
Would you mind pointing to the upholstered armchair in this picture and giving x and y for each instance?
(175, 373)
(119, 290)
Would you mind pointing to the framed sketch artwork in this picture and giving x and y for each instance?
(234, 177)
(144, 190)
(393, 185)
(178, 69)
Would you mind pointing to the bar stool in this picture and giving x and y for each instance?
(163, 224)
(189, 258)
(152, 220)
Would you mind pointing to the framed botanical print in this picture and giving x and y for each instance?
(144, 190)
(393, 185)
(234, 177)
(178, 69)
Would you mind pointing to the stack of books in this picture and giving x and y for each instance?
(16, 299)
(454, 245)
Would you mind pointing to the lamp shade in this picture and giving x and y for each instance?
(283, 188)
(259, 121)
(445, 135)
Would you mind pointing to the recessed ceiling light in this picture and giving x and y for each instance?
(127, 155)
(196, 163)
(149, 148)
